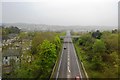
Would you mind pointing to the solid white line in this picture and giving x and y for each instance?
(59, 65)
(77, 61)
(84, 70)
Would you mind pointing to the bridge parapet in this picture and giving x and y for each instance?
(69, 37)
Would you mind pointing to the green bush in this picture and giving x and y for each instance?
(99, 46)
(99, 56)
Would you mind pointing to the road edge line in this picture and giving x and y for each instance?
(85, 72)
(77, 61)
(59, 64)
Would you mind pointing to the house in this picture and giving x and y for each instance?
(10, 54)
(12, 35)
(7, 57)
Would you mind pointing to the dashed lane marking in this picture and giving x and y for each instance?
(69, 69)
(68, 63)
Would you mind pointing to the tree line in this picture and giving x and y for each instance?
(9, 30)
(44, 51)
(99, 53)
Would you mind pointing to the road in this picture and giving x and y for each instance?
(68, 66)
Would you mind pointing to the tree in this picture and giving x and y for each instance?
(111, 41)
(114, 31)
(85, 39)
(57, 42)
(97, 63)
(47, 53)
(9, 30)
(97, 34)
(39, 38)
(99, 46)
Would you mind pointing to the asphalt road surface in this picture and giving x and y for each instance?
(68, 67)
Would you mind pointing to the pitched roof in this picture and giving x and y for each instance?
(10, 52)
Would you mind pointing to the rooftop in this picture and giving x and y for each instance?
(10, 52)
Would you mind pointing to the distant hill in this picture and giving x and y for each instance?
(44, 27)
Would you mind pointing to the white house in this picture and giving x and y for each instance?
(9, 55)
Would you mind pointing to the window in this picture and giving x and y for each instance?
(6, 62)
(6, 57)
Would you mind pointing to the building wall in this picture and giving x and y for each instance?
(6, 59)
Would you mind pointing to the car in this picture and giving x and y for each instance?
(65, 48)
(77, 77)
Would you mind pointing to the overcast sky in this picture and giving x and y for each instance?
(61, 12)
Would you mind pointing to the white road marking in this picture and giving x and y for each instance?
(59, 65)
(68, 63)
(69, 69)
(84, 70)
(77, 62)
(68, 59)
